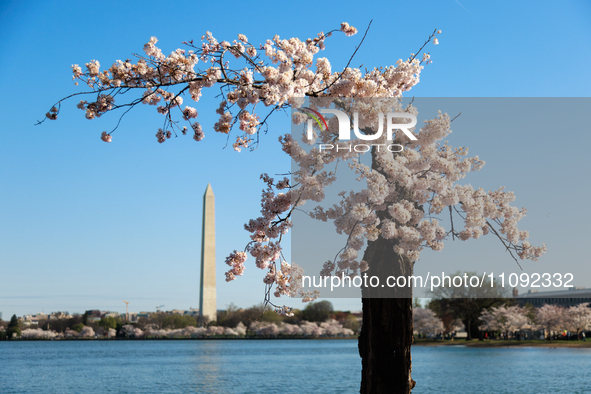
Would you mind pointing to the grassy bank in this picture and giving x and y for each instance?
(489, 343)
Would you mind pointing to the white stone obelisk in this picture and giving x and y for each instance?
(207, 296)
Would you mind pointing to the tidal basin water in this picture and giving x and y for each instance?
(276, 366)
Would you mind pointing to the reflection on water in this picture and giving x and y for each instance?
(206, 366)
(276, 366)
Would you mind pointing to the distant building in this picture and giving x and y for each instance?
(133, 317)
(572, 296)
(59, 315)
(192, 312)
(143, 315)
(93, 315)
(27, 320)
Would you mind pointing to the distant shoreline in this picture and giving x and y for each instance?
(493, 344)
(475, 343)
(173, 339)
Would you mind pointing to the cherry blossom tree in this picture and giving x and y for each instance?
(37, 333)
(551, 317)
(504, 318)
(388, 215)
(69, 333)
(132, 332)
(579, 318)
(86, 332)
(466, 302)
(426, 322)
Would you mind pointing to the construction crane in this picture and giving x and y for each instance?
(158, 308)
(126, 310)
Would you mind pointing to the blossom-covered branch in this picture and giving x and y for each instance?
(268, 75)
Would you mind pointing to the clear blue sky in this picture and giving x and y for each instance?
(85, 225)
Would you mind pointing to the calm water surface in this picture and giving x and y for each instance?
(276, 366)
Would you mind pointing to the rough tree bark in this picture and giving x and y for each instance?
(386, 333)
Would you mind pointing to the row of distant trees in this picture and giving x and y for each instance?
(441, 316)
(317, 312)
(257, 329)
(506, 319)
(489, 308)
(75, 323)
(550, 318)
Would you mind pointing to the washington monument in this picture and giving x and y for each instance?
(207, 301)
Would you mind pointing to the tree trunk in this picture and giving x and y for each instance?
(472, 330)
(468, 328)
(387, 330)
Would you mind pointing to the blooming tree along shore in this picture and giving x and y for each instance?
(393, 215)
